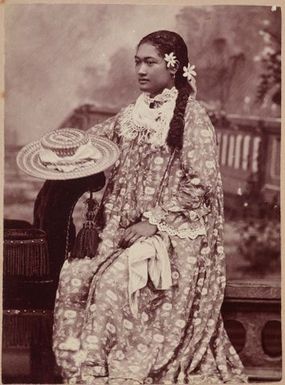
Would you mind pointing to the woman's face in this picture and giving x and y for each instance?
(152, 72)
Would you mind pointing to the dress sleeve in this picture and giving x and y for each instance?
(105, 128)
(185, 213)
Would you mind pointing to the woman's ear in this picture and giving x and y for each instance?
(173, 69)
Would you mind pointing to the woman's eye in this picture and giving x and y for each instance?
(150, 62)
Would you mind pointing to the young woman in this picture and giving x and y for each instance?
(146, 309)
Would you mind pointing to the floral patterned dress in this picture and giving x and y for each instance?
(178, 335)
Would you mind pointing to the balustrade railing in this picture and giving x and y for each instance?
(250, 147)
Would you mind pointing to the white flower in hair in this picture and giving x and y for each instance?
(170, 59)
(189, 72)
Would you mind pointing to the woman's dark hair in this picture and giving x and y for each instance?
(166, 42)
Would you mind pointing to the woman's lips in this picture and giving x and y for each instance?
(143, 81)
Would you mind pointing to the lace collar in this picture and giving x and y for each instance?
(149, 124)
(165, 96)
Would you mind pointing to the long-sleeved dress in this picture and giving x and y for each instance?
(177, 335)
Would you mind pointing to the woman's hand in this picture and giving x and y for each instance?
(136, 231)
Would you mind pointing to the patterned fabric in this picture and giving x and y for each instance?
(178, 336)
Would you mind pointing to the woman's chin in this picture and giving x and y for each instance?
(145, 87)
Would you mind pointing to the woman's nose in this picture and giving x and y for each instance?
(141, 70)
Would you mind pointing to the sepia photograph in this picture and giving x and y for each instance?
(141, 218)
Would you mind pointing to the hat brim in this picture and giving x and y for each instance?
(28, 161)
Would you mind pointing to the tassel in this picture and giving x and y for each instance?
(87, 240)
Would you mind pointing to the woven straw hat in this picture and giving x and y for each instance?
(67, 153)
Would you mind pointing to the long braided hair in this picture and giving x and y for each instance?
(166, 42)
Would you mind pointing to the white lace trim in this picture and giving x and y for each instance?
(167, 95)
(150, 125)
(190, 232)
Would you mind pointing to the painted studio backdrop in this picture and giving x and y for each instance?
(71, 65)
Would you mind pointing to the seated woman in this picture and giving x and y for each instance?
(146, 309)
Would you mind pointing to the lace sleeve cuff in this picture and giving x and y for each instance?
(187, 229)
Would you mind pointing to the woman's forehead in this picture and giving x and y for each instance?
(147, 50)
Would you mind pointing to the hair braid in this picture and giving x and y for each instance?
(176, 130)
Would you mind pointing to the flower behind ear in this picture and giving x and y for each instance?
(171, 60)
(188, 72)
